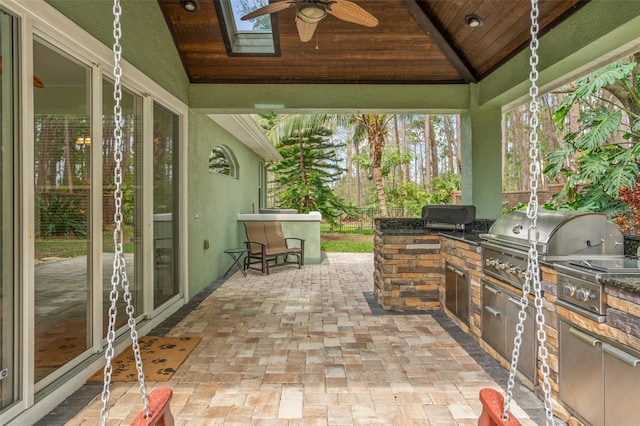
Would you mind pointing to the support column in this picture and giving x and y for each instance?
(481, 157)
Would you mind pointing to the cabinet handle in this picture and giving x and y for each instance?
(455, 271)
(620, 354)
(491, 289)
(515, 301)
(493, 311)
(590, 340)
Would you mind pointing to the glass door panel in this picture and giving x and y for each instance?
(62, 166)
(9, 349)
(131, 188)
(165, 159)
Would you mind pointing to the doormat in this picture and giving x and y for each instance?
(161, 357)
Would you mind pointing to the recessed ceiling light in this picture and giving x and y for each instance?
(474, 21)
(190, 5)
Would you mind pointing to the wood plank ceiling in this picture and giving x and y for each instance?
(416, 42)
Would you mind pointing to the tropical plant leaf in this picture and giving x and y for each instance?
(593, 167)
(592, 83)
(617, 177)
(598, 127)
(556, 162)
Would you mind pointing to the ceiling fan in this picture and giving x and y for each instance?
(310, 12)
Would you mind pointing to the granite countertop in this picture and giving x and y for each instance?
(415, 226)
(627, 282)
(471, 237)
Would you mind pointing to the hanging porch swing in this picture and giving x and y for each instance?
(495, 407)
(156, 409)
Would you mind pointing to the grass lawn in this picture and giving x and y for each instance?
(347, 242)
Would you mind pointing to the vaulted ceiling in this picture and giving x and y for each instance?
(415, 42)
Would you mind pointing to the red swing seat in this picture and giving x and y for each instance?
(492, 406)
(160, 411)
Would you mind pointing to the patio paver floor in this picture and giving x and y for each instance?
(303, 347)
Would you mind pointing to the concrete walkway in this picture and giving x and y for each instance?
(304, 347)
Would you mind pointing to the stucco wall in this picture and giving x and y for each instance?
(215, 200)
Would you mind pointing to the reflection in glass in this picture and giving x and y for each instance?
(62, 209)
(165, 159)
(131, 187)
(223, 161)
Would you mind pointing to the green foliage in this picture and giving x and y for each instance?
(442, 187)
(409, 195)
(61, 217)
(590, 85)
(303, 178)
(594, 161)
(128, 197)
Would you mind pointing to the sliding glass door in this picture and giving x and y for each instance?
(166, 135)
(62, 185)
(131, 187)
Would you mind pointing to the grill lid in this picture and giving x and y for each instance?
(560, 233)
(449, 214)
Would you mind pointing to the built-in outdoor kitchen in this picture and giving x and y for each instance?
(474, 270)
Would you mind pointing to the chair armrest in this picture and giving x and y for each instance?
(294, 238)
(263, 246)
(301, 240)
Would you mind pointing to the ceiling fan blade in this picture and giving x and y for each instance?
(351, 12)
(305, 29)
(270, 8)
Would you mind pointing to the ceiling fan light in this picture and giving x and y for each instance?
(474, 21)
(311, 13)
(190, 5)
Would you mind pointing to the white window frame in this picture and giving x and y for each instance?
(37, 18)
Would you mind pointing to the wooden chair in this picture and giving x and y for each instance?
(266, 242)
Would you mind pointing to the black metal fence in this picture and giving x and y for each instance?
(362, 218)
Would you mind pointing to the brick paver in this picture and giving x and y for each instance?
(302, 347)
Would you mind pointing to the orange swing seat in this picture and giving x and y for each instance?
(492, 406)
(160, 411)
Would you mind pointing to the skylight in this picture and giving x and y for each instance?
(253, 37)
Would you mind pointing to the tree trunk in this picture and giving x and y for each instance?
(376, 128)
(358, 176)
(427, 152)
(382, 199)
(435, 167)
(451, 145)
(458, 169)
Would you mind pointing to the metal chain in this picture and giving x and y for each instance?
(533, 267)
(119, 276)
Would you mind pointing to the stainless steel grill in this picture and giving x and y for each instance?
(571, 241)
(562, 235)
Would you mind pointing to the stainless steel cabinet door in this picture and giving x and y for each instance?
(622, 386)
(494, 304)
(581, 374)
